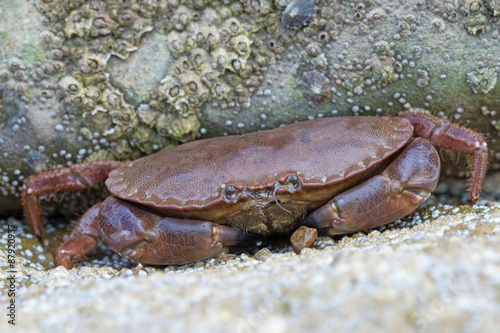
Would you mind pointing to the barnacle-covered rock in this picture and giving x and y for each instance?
(122, 79)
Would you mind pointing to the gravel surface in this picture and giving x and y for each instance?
(436, 271)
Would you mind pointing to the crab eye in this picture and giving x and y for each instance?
(230, 192)
(294, 180)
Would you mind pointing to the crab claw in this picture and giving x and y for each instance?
(405, 184)
(152, 239)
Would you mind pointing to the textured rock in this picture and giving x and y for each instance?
(93, 80)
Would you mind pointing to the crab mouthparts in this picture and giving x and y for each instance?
(259, 205)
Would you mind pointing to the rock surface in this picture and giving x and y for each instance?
(84, 80)
(436, 271)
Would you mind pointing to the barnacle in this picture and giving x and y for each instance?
(320, 62)
(326, 12)
(179, 128)
(404, 28)
(68, 85)
(298, 13)
(313, 49)
(241, 44)
(381, 69)
(482, 80)
(438, 25)
(382, 48)
(376, 16)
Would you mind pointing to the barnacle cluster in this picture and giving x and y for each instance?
(216, 59)
(107, 27)
(477, 19)
(493, 6)
(423, 78)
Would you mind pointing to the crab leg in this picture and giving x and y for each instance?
(82, 240)
(152, 239)
(397, 191)
(74, 178)
(454, 137)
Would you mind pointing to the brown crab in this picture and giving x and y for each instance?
(194, 201)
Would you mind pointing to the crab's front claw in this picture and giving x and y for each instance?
(152, 239)
(405, 184)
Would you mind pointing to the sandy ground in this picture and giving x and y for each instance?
(436, 271)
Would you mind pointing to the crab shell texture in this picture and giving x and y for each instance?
(265, 181)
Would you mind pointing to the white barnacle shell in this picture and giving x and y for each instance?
(482, 80)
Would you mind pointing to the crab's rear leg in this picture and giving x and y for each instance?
(403, 185)
(83, 239)
(444, 134)
(74, 178)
